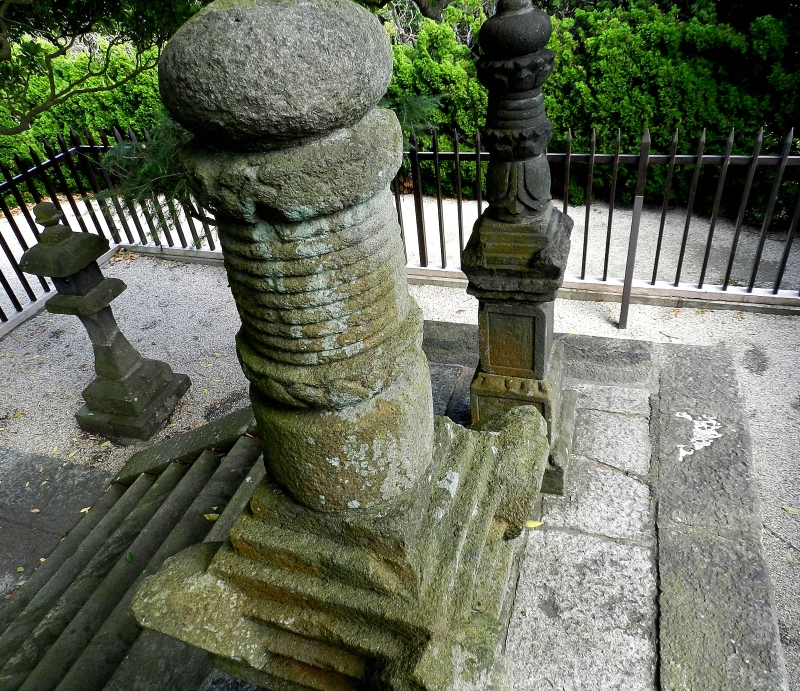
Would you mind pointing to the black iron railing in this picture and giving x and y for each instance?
(74, 178)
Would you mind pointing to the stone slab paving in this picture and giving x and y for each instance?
(40, 502)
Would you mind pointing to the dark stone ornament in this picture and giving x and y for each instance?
(516, 256)
(131, 396)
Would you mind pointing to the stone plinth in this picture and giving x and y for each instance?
(518, 250)
(377, 551)
(131, 396)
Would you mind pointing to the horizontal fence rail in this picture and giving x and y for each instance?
(645, 244)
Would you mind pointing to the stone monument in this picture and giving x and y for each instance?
(131, 396)
(380, 549)
(517, 253)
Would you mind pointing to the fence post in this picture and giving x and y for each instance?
(416, 179)
(690, 205)
(773, 197)
(633, 241)
(589, 183)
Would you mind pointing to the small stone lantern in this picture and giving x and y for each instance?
(131, 396)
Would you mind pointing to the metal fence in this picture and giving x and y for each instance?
(612, 251)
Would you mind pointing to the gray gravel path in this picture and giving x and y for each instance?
(184, 314)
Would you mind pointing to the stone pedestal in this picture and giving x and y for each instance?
(518, 250)
(379, 549)
(131, 396)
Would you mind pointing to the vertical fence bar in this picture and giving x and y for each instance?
(478, 173)
(18, 235)
(398, 205)
(85, 160)
(787, 248)
(773, 198)
(34, 192)
(611, 200)
(439, 208)
(416, 179)
(665, 205)
(73, 169)
(690, 205)
(41, 174)
(644, 159)
(567, 163)
(109, 187)
(176, 219)
(748, 185)
(18, 198)
(459, 200)
(201, 212)
(715, 211)
(20, 276)
(62, 180)
(130, 205)
(11, 296)
(589, 183)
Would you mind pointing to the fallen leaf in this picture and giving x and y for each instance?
(43, 484)
(42, 560)
(72, 453)
(27, 483)
(129, 557)
(171, 425)
(211, 516)
(35, 511)
(205, 390)
(20, 569)
(105, 443)
(17, 414)
(533, 524)
(215, 354)
(41, 468)
(208, 364)
(55, 448)
(790, 557)
(10, 595)
(791, 511)
(86, 510)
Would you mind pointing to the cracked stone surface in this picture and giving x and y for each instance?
(617, 440)
(605, 502)
(584, 615)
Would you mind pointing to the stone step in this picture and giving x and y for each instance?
(67, 548)
(27, 656)
(101, 657)
(90, 548)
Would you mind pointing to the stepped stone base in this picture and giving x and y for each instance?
(417, 599)
(491, 394)
(126, 430)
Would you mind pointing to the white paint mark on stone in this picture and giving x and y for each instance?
(450, 482)
(706, 430)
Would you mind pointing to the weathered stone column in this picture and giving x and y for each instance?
(516, 256)
(131, 396)
(376, 552)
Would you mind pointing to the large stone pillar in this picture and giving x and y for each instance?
(377, 551)
(517, 253)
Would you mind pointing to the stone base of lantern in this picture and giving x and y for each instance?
(491, 394)
(126, 429)
(419, 598)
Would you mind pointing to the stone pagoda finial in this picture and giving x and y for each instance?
(516, 256)
(131, 396)
(376, 552)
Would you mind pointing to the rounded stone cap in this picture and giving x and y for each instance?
(518, 28)
(256, 75)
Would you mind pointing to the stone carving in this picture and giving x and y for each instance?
(131, 396)
(516, 256)
(377, 551)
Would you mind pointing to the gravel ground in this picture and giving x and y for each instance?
(184, 314)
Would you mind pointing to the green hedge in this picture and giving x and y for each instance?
(631, 67)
